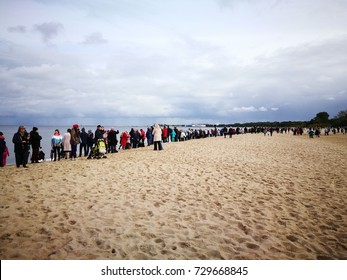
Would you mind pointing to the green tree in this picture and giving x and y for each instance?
(321, 119)
(340, 120)
(341, 114)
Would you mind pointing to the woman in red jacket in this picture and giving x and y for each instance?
(165, 134)
(124, 139)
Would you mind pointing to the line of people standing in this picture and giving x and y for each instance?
(66, 145)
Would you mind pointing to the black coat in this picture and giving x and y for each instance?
(21, 143)
(35, 139)
(2, 146)
(99, 134)
(112, 137)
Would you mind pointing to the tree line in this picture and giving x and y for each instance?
(320, 120)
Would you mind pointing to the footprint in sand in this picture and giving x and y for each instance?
(150, 213)
(66, 216)
(160, 242)
(44, 231)
(292, 238)
(252, 246)
(157, 204)
(100, 243)
(242, 227)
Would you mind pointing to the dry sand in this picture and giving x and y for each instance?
(249, 197)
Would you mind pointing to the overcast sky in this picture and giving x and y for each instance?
(131, 62)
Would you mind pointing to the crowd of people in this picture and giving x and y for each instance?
(66, 145)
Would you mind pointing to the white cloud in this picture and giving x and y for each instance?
(250, 109)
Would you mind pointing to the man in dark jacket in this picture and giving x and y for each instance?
(136, 138)
(84, 140)
(35, 140)
(99, 132)
(21, 146)
(112, 141)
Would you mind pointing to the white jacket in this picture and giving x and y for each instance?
(157, 133)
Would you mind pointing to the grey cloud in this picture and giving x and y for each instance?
(95, 38)
(48, 30)
(188, 79)
(17, 29)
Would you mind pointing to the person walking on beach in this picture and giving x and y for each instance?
(56, 143)
(157, 138)
(75, 140)
(67, 143)
(4, 153)
(21, 140)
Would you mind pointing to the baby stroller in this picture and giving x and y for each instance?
(98, 151)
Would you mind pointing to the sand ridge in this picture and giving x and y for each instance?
(249, 197)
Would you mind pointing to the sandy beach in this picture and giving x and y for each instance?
(249, 197)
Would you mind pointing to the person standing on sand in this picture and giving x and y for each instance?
(83, 144)
(66, 143)
(56, 142)
(149, 136)
(3, 150)
(112, 140)
(90, 141)
(157, 138)
(35, 140)
(173, 135)
(99, 133)
(215, 131)
(136, 138)
(225, 131)
(125, 140)
(21, 141)
(75, 140)
(165, 134)
(230, 132)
